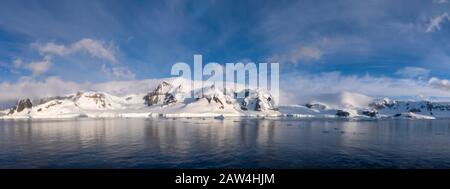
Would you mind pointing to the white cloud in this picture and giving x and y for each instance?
(302, 54)
(93, 47)
(118, 72)
(39, 67)
(51, 48)
(297, 88)
(436, 22)
(441, 1)
(413, 72)
(443, 84)
(122, 72)
(27, 87)
(300, 88)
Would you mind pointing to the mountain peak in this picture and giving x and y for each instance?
(172, 98)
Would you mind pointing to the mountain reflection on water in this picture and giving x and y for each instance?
(228, 143)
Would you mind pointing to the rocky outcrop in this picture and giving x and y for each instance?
(258, 101)
(217, 101)
(98, 99)
(265, 103)
(48, 99)
(244, 105)
(92, 100)
(420, 107)
(20, 106)
(342, 113)
(383, 103)
(158, 95)
(316, 106)
(161, 95)
(216, 96)
(259, 106)
(370, 113)
(411, 115)
(169, 99)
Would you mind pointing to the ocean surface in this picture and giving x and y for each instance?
(229, 143)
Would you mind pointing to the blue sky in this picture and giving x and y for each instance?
(107, 40)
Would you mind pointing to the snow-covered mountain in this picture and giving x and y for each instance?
(425, 109)
(172, 98)
(359, 106)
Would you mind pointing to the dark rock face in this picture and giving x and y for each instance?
(316, 106)
(383, 104)
(47, 99)
(216, 100)
(160, 95)
(251, 104)
(247, 93)
(370, 113)
(24, 104)
(215, 96)
(262, 104)
(259, 103)
(169, 99)
(258, 106)
(50, 105)
(419, 106)
(342, 113)
(99, 99)
(21, 105)
(244, 104)
(157, 95)
(414, 110)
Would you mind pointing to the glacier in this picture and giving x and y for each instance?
(171, 99)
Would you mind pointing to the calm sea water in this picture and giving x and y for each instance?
(235, 143)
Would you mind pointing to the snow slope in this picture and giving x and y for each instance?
(359, 106)
(172, 98)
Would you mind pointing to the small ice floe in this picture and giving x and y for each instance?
(220, 117)
(411, 115)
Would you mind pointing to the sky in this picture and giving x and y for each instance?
(374, 47)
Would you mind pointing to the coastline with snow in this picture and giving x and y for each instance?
(170, 100)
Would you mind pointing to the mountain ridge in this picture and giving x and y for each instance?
(171, 98)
